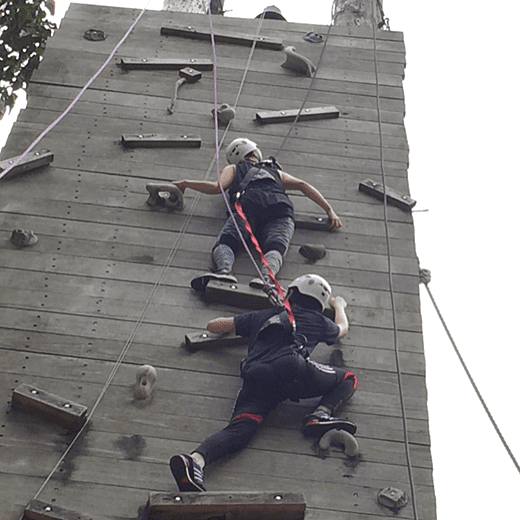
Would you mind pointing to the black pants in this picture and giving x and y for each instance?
(255, 400)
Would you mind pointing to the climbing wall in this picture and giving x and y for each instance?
(107, 284)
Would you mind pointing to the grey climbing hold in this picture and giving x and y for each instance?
(145, 376)
(165, 196)
(313, 251)
(313, 37)
(341, 438)
(225, 113)
(392, 498)
(297, 62)
(94, 35)
(23, 238)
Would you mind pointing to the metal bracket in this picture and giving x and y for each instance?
(160, 141)
(31, 161)
(62, 411)
(288, 116)
(377, 190)
(164, 64)
(264, 42)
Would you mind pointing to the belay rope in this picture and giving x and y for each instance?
(279, 291)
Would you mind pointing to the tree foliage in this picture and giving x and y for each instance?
(24, 29)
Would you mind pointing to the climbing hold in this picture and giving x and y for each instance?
(313, 251)
(298, 63)
(23, 238)
(199, 282)
(313, 37)
(425, 276)
(145, 376)
(225, 113)
(341, 438)
(165, 196)
(94, 35)
(392, 498)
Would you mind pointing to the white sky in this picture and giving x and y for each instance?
(462, 113)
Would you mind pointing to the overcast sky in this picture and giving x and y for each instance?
(462, 115)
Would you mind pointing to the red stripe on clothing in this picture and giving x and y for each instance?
(253, 417)
(350, 374)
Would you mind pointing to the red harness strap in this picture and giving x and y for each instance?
(277, 286)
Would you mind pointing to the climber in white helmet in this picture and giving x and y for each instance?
(277, 367)
(260, 186)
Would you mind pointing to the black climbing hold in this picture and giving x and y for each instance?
(94, 35)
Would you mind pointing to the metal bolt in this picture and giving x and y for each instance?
(67, 405)
(204, 335)
(144, 59)
(320, 219)
(36, 153)
(34, 392)
(178, 499)
(278, 497)
(234, 287)
(48, 508)
(283, 112)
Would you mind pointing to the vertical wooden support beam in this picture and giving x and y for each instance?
(356, 13)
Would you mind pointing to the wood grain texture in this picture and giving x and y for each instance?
(109, 275)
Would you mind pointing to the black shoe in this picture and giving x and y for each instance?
(199, 282)
(187, 473)
(318, 423)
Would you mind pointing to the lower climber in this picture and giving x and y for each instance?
(276, 368)
(260, 187)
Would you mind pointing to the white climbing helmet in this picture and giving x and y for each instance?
(239, 148)
(314, 286)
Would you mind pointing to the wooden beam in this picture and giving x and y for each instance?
(31, 161)
(165, 63)
(236, 505)
(33, 400)
(356, 13)
(312, 222)
(264, 42)
(237, 294)
(198, 340)
(287, 116)
(38, 510)
(160, 141)
(377, 190)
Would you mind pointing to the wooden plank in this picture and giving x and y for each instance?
(38, 510)
(41, 403)
(307, 114)
(160, 141)
(382, 192)
(31, 161)
(165, 63)
(196, 33)
(242, 506)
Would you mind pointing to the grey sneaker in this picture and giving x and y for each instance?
(187, 473)
(318, 423)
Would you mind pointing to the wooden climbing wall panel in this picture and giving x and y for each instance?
(109, 272)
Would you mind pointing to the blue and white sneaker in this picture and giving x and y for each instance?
(187, 473)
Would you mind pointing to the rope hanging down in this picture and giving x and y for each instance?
(390, 278)
(425, 277)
